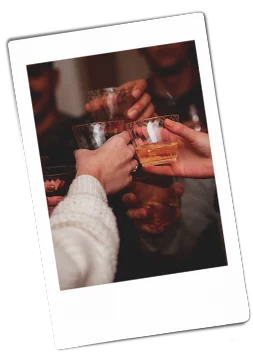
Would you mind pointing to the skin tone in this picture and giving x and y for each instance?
(142, 108)
(43, 85)
(139, 214)
(194, 160)
(111, 164)
(172, 72)
(194, 154)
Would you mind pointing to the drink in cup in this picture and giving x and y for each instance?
(92, 136)
(109, 103)
(158, 197)
(154, 144)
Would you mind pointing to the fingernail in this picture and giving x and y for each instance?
(137, 93)
(132, 114)
(169, 123)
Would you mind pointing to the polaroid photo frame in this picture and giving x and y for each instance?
(156, 305)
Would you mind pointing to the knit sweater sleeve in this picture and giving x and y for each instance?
(85, 236)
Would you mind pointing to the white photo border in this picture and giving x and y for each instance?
(150, 306)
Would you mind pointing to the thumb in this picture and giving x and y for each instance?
(181, 130)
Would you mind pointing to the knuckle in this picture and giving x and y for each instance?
(149, 111)
(120, 140)
(143, 102)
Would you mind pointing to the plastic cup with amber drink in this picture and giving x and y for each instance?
(92, 136)
(159, 197)
(154, 144)
(109, 103)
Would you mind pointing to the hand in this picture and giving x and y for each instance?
(143, 108)
(139, 100)
(51, 186)
(194, 154)
(139, 214)
(111, 164)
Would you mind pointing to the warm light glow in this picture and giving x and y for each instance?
(195, 118)
(98, 135)
(153, 131)
(197, 128)
(109, 102)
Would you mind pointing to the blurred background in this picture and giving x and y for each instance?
(79, 75)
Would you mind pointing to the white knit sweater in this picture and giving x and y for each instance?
(85, 236)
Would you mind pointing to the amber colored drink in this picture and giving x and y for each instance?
(157, 153)
(160, 214)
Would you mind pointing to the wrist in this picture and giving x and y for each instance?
(92, 171)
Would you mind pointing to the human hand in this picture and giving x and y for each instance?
(52, 186)
(111, 164)
(139, 215)
(134, 98)
(142, 108)
(194, 158)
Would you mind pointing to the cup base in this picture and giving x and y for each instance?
(154, 163)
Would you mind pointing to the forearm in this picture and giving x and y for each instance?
(85, 236)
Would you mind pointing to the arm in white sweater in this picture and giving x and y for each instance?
(85, 236)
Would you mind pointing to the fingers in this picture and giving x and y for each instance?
(133, 165)
(130, 200)
(96, 104)
(139, 106)
(62, 183)
(49, 186)
(181, 130)
(149, 112)
(53, 185)
(137, 213)
(125, 136)
(57, 184)
(131, 148)
(138, 87)
(54, 200)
